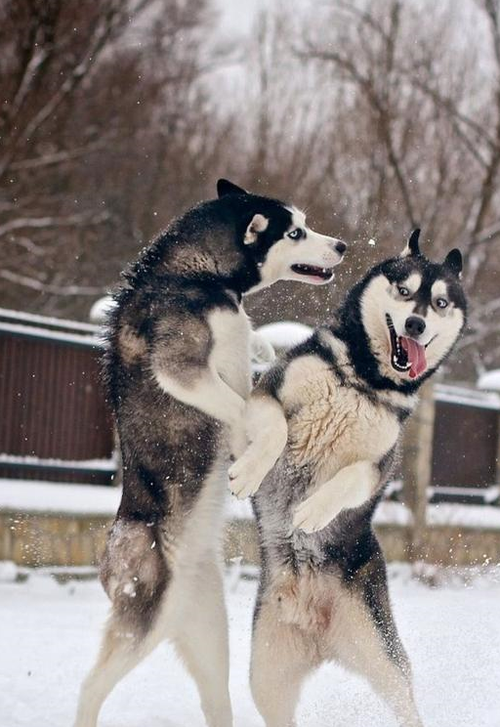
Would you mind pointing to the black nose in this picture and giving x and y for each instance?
(341, 247)
(415, 325)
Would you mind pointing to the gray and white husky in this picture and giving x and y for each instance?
(178, 374)
(323, 425)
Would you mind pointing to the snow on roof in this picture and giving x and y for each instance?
(285, 334)
(452, 394)
(387, 513)
(477, 517)
(101, 308)
(392, 513)
(35, 496)
(45, 321)
(490, 380)
(36, 332)
(101, 465)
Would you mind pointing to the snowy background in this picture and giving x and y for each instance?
(50, 634)
(375, 116)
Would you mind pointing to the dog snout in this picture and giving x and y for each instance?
(414, 326)
(337, 246)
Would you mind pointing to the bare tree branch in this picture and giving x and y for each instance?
(23, 223)
(65, 290)
(58, 157)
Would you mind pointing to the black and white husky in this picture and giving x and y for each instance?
(178, 372)
(323, 425)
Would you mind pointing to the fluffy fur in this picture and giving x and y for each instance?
(178, 374)
(323, 424)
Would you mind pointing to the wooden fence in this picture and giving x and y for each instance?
(55, 424)
(465, 445)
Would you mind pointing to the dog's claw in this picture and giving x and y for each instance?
(242, 491)
(244, 478)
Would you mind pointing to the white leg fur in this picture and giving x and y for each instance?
(211, 395)
(267, 431)
(208, 392)
(281, 660)
(350, 487)
(118, 655)
(196, 624)
(201, 641)
(283, 654)
(195, 614)
(358, 646)
(199, 632)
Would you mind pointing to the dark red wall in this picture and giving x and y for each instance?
(52, 406)
(465, 446)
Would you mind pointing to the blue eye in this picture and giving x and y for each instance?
(296, 234)
(403, 291)
(441, 302)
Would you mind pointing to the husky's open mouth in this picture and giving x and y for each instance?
(313, 271)
(406, 353)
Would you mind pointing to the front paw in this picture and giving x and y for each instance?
(314, 513)
(262, 351)
(244, 477)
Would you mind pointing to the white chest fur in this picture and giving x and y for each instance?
(333, 426)
(230, 354)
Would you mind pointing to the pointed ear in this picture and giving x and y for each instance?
(258, 224)
(412, 247)
(453, 261)
(225, 187)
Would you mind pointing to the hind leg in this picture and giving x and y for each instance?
(201, 639)
(135, 577)
(282, 657)
(120, 652)
(365, 641)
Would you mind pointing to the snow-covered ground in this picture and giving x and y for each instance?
(49, 635)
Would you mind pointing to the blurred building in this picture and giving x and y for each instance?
(58, 458)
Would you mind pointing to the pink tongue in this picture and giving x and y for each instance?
(416, 356)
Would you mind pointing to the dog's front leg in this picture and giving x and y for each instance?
(267, 431)
(185, 360)
(351, 487)
(204, 389)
